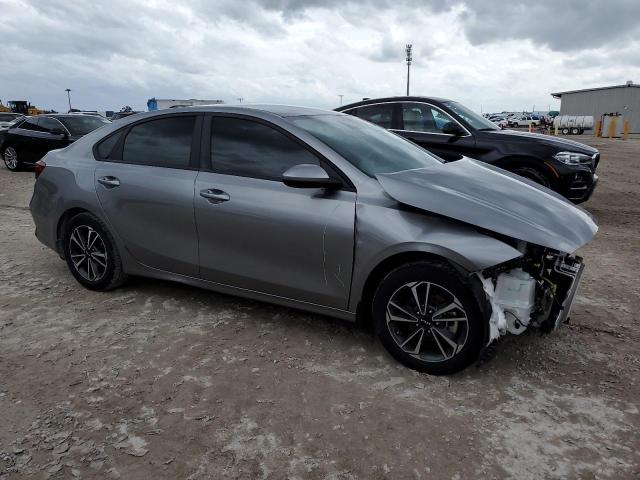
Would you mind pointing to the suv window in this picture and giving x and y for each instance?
(165, 142)
(31, 124)
(420, 117)
(250, 149)
(47, 124)
(381, 114)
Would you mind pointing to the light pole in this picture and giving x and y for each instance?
(409, 60)
(68, 90)
(341, 98)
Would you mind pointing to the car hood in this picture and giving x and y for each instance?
(494, 199)
(538, 138)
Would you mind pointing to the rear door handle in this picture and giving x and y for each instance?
(109, 182)
(214, 195)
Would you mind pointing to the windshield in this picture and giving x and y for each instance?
(472, 118)
(82, 124)
(369, 148)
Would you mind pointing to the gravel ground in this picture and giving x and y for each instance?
(159, 380)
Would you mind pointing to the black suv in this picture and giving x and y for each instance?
(452, 131)
(27, 141)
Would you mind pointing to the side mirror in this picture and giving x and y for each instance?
(307, 175)
(58, 131)
(452, 128)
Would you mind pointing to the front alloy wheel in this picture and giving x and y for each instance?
(428, 318)
(11, 158)
(427, 321)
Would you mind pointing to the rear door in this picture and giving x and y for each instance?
(48, 140)
(257, 233)
(422, 123)
(145, 183)
(25, 139)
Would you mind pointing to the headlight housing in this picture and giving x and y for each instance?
(573, 158)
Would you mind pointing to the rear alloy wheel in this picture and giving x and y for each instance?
(91, 253)
(428, 319)
(534, 175)
(10, 156)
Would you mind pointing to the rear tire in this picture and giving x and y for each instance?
(575, 131)
(91, 253)
(534, 175)
(416, 334)
(11, 158)
(565, 131)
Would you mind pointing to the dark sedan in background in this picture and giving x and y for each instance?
(27, 141)
(452, 131)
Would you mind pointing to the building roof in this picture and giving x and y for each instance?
(627, 85)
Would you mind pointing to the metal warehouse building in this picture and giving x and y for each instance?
(620, 99)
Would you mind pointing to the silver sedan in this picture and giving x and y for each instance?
(320, 211)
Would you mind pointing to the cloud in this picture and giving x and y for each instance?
(308, 52)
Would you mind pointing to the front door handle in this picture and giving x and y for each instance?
(109, 182)
(214, 195)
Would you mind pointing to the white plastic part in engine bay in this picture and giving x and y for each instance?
(512, 300)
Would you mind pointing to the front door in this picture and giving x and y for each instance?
(146, 191)
(422, 123)
(257, 233)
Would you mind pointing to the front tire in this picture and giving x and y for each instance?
(11, 159)
(534, 175)
(91, 253)
(428, 319)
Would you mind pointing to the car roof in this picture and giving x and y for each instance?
(274, 109)
(413, 98)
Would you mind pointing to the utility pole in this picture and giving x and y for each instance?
(240, 99)
(341, 98)
(409, 60)
(68, 90)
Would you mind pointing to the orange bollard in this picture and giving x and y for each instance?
(625, 130)
(598, 128)
(531, 127)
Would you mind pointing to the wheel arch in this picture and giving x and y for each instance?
(513, 162)
(64, 219)
(388, 264)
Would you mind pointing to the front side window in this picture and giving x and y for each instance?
(369, 148)
(381, 114)
(250, 149)
(164, 142)
(474, 119)
(420, 117)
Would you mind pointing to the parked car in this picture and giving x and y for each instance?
(319, 211)
(7, 119)
(119, 115)
(564, 166)
(27, 141)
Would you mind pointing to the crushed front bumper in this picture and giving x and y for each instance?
(571, 269)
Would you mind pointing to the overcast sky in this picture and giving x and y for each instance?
(498, 55)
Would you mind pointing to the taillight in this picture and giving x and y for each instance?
(40, 166)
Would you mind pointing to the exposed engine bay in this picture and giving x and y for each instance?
(535, 290)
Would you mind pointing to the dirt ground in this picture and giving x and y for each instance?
(159, 380)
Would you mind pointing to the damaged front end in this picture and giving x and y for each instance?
(535, 290)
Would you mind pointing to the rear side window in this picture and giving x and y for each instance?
(164, 142)
(251, 149)
(381, 114)
(105, 148)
